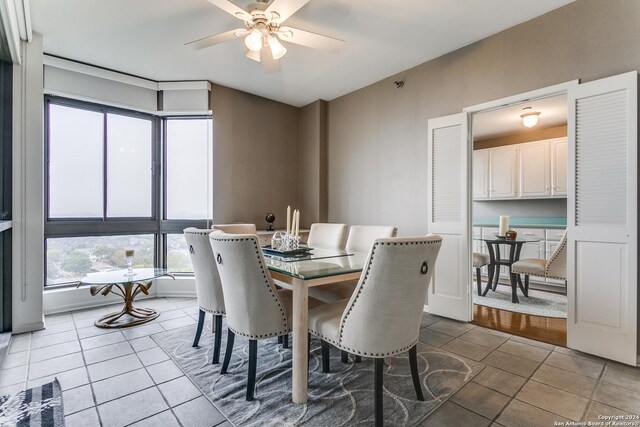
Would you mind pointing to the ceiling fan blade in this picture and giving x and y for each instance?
(216, 38)
(309, 39)
(284, 8)
(232, 9)
(269, 64)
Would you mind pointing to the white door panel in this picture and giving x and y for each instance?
(448, 163)
(602, 221)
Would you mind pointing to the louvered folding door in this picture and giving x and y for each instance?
(448, 165)
(602, 219)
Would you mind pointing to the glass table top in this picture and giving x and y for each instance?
(321, 263)
(120, 276)
(492, 238)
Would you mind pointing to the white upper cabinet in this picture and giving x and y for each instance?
(480, 174)
(533, 170)
(503, 174)
(534, 166)
(558, 148)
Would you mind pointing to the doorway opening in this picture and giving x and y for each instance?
(519, 182)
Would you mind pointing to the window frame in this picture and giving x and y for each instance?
(105, 111)
(157, 224)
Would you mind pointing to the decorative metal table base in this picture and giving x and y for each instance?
(128, 291)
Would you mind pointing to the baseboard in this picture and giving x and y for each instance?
(5, 341)
(29, 327)
(66, 300)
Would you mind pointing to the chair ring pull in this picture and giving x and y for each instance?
(219, 259)
(424, 268)
(191, 249)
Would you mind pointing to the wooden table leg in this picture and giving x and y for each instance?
(300, 342)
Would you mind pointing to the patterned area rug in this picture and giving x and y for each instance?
(38, 406)
(538, 303)
(342, 397)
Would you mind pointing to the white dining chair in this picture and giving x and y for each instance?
(359, 240)
(553, 268)
(383, 316)
(236, 228)
(479, 261)
(327, 236)
(208, 287)
(255, 308)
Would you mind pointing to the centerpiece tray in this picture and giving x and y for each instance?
(300, 252)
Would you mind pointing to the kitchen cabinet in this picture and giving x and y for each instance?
(558, 148)
(480, 174)
(534, 170)
(503, 172)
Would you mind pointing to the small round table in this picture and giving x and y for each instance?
(128, 287)
(493, 244)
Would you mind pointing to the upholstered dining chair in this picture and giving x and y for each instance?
(553, 268)
(255, 308)
(208, 287)
(236, 228)
(327, 236)
(360, 240)
(382, 317)
(479, 261)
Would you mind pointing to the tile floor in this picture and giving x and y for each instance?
(121, 378)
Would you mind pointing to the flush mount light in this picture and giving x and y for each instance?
(529, 118)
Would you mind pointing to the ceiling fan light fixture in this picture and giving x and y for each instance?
(277, 49)
(251, 54)
(253, 41)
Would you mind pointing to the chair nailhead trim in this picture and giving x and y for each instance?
(364, 281)
(212, 311)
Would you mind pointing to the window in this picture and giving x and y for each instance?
(188, 169)
(178, 260)
(93, 153)
(75, 163)
(71, 258)
(104, 188)
(129, 167)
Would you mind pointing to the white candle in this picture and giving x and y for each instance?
(504, 225)
(297, 223)
(288, 219)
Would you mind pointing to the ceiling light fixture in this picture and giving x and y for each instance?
(529, 118)
(277, 50)
(253, 41)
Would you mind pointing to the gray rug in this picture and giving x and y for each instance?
(35, 407)
(340, 398)
(538, 303)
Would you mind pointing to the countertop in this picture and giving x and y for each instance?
(515, 222)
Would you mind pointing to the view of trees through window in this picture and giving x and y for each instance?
(102, 173)
(71, 258)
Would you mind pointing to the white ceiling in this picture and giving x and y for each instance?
(146, 38)
(507, 120)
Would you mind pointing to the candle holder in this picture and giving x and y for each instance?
(128, 254)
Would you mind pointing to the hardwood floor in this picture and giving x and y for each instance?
(546, 329)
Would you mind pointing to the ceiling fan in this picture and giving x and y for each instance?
(263, 31)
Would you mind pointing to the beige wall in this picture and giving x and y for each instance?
(377, 136)
(255, 159)
(521, 137)
(313, 163)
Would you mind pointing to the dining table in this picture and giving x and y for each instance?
(320, 267)
(496, 261)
